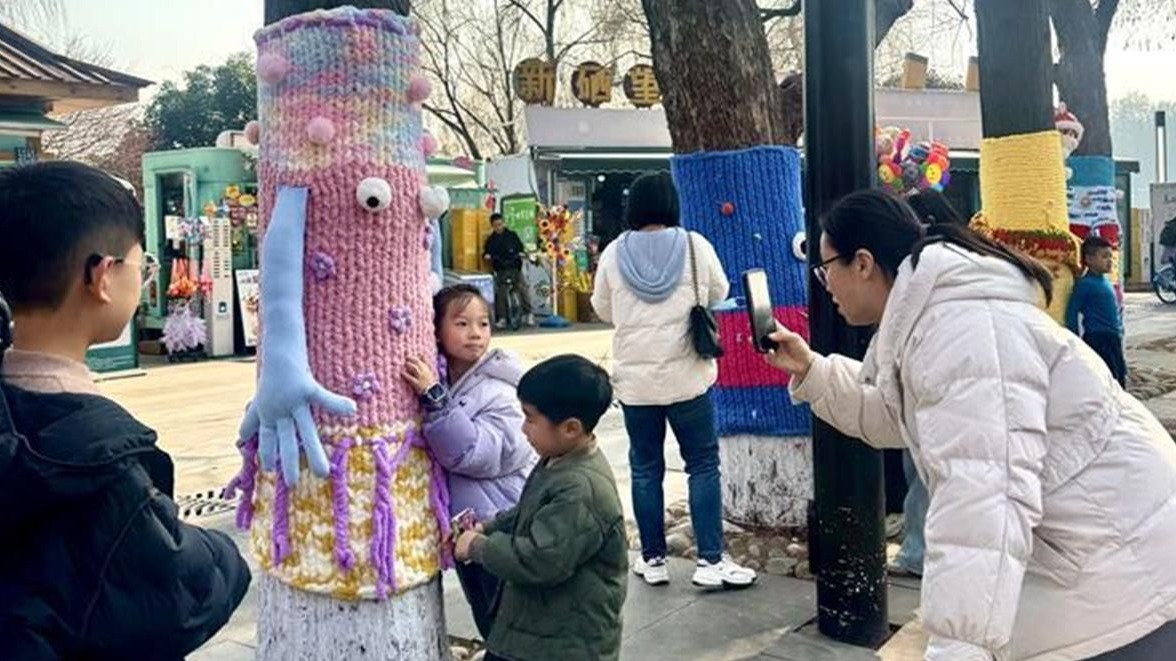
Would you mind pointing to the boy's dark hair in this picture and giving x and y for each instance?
(567, 387)
(459, 294)
(1093, 244)
(53, 217)
(495, 216)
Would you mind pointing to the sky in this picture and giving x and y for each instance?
(160, 39)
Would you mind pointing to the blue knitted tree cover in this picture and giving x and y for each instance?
(1094, 205)
(748, 203)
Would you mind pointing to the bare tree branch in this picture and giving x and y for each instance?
(517, 4)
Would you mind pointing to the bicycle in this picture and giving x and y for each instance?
(513, 303)
(1164, 283)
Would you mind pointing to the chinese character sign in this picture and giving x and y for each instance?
(534, 81)
(641, 86)
(592, 83)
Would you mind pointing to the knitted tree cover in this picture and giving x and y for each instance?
(1023, 190)
(339, 101)
(748, 204)
(1094, 204)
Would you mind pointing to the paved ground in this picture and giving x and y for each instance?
(196, 408)
(772, 620)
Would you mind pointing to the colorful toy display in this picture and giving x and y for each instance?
(906, 167)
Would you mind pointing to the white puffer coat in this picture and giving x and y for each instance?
(654, 362)
(1051, 534)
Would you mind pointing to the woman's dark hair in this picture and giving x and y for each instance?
(459, 294)
(933, 208)
(653, 200)
(890, 230)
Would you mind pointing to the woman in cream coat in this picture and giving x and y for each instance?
(1051, 533)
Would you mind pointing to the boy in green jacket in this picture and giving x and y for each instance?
(561, 552)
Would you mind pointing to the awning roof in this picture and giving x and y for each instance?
(30, 122)
(613, 162)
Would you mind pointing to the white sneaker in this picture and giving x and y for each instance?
(654, 571)
(723, 574)
(529, 320)
(500, 324)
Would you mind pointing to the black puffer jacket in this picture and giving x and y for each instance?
(95, 563)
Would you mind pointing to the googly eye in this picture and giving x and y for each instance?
(373, 194)
(800, 246)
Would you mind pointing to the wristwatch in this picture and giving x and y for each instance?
(436, 397)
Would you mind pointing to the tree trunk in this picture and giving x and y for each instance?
(376, 532)
(1015, 69)
(767, 481)
(1081, 75)
(300, 626)
(276, 10)
(715, 72)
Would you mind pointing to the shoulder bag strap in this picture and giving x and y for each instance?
(693, 268)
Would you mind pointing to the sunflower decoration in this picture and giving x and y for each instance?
(556, 228)
(232, 192)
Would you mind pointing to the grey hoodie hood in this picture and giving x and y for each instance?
(651, 262)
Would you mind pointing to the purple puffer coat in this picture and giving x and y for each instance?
(479, 440)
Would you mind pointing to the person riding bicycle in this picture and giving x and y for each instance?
(504, 251)
(1168, 242)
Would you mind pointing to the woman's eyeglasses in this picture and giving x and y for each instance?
(821, 271)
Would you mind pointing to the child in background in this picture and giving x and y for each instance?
(473, 424)
(1094, 303)
(96, 562)
(561, 553)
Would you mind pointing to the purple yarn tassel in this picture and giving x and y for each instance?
(439, 498)
(383, 521)
(281, 531)
(244, 483)
(340, 505)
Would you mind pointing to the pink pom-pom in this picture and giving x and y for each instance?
(428, 144)
(272, 68)
(419, 89)
(320, 130)
(253, 132)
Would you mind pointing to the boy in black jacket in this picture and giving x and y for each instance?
(96, 563)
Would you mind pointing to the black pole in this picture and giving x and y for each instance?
(847, 524)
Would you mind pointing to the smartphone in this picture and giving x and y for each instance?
(759, 309)
(461, 522)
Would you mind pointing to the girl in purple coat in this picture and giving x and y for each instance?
(473, 424)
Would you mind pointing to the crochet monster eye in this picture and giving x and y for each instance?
(373, 194)
(800, 246)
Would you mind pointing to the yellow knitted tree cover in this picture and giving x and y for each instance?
(1023, 193)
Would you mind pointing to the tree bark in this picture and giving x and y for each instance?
(1015, 67)
(1081, 74)
(718, 88)
(276, 10)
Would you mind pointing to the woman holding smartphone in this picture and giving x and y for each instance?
(1052, 517)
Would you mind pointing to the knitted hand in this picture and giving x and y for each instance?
(280, 412)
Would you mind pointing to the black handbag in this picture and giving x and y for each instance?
(704, 330)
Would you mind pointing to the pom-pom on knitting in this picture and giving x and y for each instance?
(253, 132)
(428, 144)
(434, 201)
(419, 89)
(320, 130)
(272, 68)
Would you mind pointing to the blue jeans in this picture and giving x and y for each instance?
(693, 423)
(914, 514)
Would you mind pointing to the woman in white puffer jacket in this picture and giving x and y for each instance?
(1051, 533)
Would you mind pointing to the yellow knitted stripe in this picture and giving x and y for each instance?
(311, 564)
(1023, 182)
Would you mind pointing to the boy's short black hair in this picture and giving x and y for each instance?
(567, 387)
(1093, 244)
(495, 216)
(53, 216)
